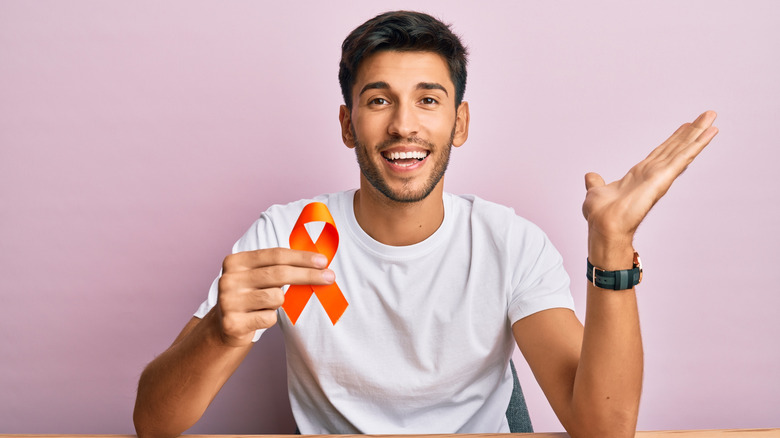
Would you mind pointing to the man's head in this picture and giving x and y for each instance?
(403, 75)
(402, 31)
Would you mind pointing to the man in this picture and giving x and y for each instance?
(439, 287)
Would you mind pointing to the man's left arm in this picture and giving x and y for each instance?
(592, 375)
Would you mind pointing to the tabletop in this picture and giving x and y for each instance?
(714, 433)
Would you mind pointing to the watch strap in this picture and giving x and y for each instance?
(616, 280)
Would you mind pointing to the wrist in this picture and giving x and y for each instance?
(612, 259)
(611, 254)
(620, 279)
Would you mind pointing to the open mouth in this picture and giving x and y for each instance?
(405, 159)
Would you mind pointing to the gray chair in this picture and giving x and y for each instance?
(517, 411)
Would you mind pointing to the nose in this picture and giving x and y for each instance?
(404, 122)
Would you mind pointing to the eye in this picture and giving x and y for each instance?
(378, 101)
(428, 101)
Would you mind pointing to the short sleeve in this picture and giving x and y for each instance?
(540, 281)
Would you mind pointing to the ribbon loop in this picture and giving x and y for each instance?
(329, 295)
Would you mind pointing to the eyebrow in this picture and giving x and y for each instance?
(374, 86)
(432, 86)
(382, 85)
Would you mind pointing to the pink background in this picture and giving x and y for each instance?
(138, 140)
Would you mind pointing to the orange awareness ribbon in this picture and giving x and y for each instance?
(329, 295)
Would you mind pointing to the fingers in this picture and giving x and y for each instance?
(707, 136)
(705, 120)
(662, 151)
(248, 260)
(275, 276)
(245, 311)
(238, 328)
(693, 131)
(250, 288)
(688, 140)
(251, 300)
(694, 138)
(273, 268)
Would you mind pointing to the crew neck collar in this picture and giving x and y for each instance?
(390, 251)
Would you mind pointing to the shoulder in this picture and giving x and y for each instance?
(500, 218)
(498, 229)
(274, 225)
(283, 213)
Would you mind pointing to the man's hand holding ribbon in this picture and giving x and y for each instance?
(250, 289)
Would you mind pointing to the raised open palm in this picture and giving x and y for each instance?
(615, 210)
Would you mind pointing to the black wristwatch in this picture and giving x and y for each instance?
(616, 280)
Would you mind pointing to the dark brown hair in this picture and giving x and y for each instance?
(402, 31)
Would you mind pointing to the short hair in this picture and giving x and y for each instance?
(404, 31)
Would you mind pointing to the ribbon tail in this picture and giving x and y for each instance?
(295, 300)
(332, 300)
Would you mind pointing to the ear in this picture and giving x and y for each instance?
(461, 125)
(345, 118)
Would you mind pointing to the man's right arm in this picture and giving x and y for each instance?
(177, 386)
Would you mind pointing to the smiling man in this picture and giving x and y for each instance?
(402, 122)
(441, 287)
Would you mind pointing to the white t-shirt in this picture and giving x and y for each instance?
(424, 345)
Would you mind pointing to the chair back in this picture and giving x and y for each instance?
(517, 411)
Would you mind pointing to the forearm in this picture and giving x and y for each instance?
(608, 381)
(176, 387)
(608, 378)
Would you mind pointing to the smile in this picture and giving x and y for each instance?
(405, 159)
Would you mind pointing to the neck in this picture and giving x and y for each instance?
(398, 223)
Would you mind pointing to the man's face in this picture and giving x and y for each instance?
(403, 123)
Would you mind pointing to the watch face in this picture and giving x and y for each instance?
(638, 264)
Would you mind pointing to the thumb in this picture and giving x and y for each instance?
(592, 180)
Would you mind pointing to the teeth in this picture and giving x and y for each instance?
(405, 155)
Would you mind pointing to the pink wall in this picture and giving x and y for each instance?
(138, 140)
